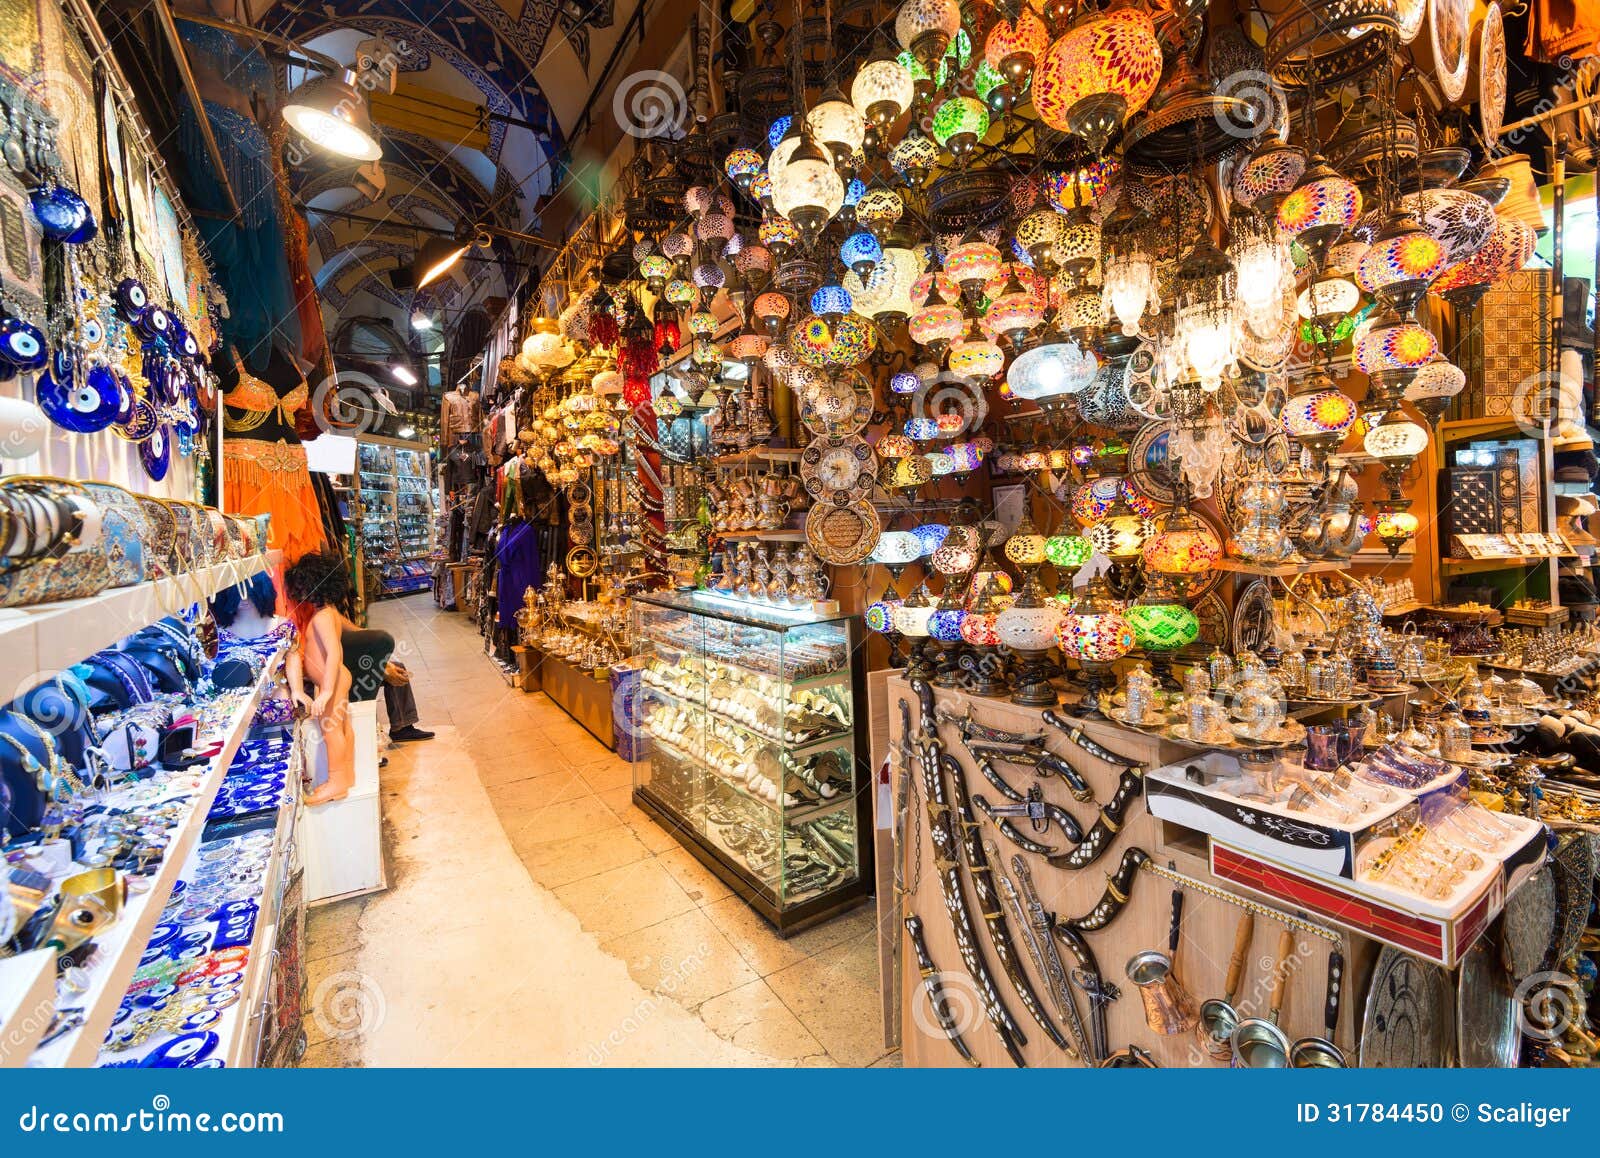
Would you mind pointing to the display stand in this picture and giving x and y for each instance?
(1208, 923)
(344, 838)
(584, 698)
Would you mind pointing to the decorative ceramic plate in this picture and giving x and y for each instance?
(837, 468)
(1412, 13)
(1492, 74)
(581, 562)
(1487, 1036)
(1451, 28)
(1409, 1021)
(843, 535)
(1150, 465)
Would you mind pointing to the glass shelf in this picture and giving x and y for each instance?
(748, 749)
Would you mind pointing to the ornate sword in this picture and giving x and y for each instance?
(1036, 923)
(970, 729)
(934, 988)
(947, 861)
(1087, 977)
(989, 908)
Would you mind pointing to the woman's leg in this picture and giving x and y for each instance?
(340, 739)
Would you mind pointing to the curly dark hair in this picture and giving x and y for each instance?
(318, 580)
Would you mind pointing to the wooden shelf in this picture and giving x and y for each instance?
(760, 454)
(1466, 428)
(1278, 570)
(27, 1003)
(1470, 566)
(781, 535)
(36, 642)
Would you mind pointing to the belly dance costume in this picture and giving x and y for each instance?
(270, 476)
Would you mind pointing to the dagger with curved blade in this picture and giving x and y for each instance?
(970, 729)
(983, 886)
(1095, 749)
(934, 988)
(947, 864)
(1113, 814)
(1119, 889)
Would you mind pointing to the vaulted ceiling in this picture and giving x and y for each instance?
(486, 91)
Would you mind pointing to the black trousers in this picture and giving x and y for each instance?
(366, 654)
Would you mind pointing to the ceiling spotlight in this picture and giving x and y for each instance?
(436, 258)
(403, 374)
(331, 112)
(421, 321)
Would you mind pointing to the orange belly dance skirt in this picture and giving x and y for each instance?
(271, 477)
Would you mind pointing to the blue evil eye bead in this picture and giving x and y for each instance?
(82, 403)
(142, 422)
(188, 345)
(22, 344)
(131, 298)
(155, 322)
(778, 130)
(155, 454)
(91, 333)
(207, 1063)
(62, 214)
(182, 1052)
(126, 408)
(877, 616)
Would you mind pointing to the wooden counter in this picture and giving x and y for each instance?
(1208, 924)
(581, 696)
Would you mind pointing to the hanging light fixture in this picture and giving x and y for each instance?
(1390, 352)
(836, 124)
(1014, 44)
(807, 190)
(1396, 442)
(1102, 71)
(1318, 210)
(1400, 263)
(1096, 634)
(881, 91)
(1433, 388)
(1205, 327)
(925, 28)
(959, 124)
(913, 157)
(330, 111)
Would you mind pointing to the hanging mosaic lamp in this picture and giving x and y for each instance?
(1102, 71)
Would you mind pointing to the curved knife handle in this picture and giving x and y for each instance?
(1280, 974)
(918, 945)
(1076, 735)
(1330, 1009)
(1119, 890)
(1242, 937)
(1175, 931)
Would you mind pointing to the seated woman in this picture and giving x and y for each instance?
(315, 586)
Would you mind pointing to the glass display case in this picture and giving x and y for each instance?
(753, 757)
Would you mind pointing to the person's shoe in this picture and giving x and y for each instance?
(409, 732)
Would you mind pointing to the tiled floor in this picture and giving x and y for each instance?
(536, 917)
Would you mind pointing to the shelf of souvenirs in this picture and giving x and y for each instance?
(38, 641)
(691, 651)
(1462, 429)
(1281, 570)
(117, 953)
(1498, 563)
(760, 454)
(699, 763)
(797, 744)
(777, 535)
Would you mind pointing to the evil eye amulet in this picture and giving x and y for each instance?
(131, 298)
(22, 344)
(155, 454)
(62, 213)
(154, 322)
(83, 404)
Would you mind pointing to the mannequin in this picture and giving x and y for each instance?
(458, 414)
(263, 464)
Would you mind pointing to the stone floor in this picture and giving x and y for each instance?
(536, 917)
